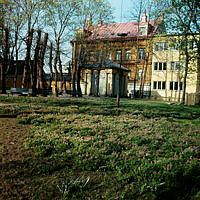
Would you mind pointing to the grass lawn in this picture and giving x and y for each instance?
(86, 148)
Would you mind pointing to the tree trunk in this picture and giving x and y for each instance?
(144, 75)
(27, 66)
(79, 81)
(50, 64)
(16, 53)
(61, 73)
(119, 86)
(74, 77)
(5, 61)
(16, 58)
(74, 68)
(41, 63)
(135, 80)
(55, 67)
(186, 69)
(35, 64)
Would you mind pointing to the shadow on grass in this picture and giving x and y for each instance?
(107, 106)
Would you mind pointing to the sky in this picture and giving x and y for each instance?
(126, 6)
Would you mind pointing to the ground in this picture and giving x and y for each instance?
(12, 152)
(78, 148)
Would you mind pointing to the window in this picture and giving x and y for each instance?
(129, 75)
(177, 45)
(180, 86)
(174, 48)
(155, 66)
(176, 85)
(178, 66)
(118, 55)
(172, 65)
(142, 31)
(165, 46)
(160, 66)
(163, 85)
(192, 45)
(141, 54)
(160, 85)
(109, 55)
(140, 74)
(128, 54)
(164, 66)
(171, 86)
(155, 85)
(161, 46)
(91, 56)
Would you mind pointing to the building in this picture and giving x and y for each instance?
(63, 83)
(127, 43)
(168, 70)
(14, 75)
(105, 82)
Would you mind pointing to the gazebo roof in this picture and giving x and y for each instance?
(106, 64)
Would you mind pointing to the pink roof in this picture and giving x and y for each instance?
(110, 31)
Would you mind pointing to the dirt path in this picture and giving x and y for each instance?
(12, 159)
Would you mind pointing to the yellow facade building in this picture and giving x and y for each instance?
(168, 70)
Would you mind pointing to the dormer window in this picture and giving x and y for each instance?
(142, 31)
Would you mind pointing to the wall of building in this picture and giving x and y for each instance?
(173, 78)
(135, 63)
(59, 86)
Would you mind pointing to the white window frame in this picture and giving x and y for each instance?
(128, 54)
(140, 74)
(158, 64)
(175, 86)
(141, 53)
(158, 85)
(176, 66)
(118, 54)
(161, 46)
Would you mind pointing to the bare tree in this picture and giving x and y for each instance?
(50, 64)
(5, 59)
(43, 46)
(35, 64)
(59, 18)
(27, 67)
(55, 69)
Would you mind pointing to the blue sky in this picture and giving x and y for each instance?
(127, 5)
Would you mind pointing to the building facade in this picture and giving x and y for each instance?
(168, 71)
(128, 44)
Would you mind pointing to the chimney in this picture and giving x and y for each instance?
(144, 17)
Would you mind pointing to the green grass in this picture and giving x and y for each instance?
(86, 148)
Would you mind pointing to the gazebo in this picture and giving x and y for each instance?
(101, 79)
